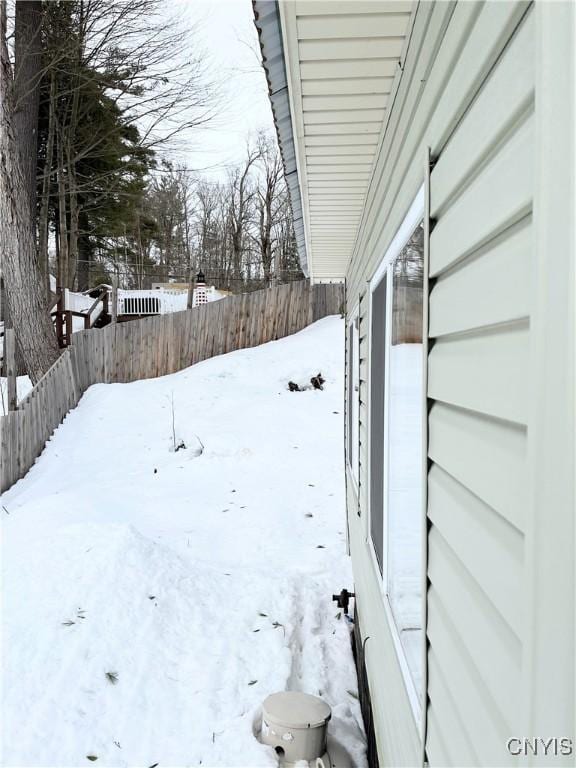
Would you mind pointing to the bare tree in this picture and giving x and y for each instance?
(269, 201)
(169, 203)
(210, 223)
(108, 57)
(243, 226)
(25, 294)
(241, 194)
(287, 264)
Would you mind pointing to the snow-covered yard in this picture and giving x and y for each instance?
(153, 598)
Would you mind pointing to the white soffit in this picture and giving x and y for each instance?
(342, 58)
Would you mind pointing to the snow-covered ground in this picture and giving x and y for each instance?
(153, 598)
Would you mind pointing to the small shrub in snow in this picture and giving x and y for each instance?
(317, 381)
(178, 443)
(277, 625)
(112, 677)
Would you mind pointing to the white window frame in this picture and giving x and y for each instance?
(353, 413)
(414, 216)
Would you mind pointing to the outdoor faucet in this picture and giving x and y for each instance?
(343, 600)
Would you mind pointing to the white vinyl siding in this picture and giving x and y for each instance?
(479, 386)
(353, 394)
(467, 92)
(363, 339)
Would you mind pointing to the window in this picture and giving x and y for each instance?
(397, 455)
(405, 451)
(377, 398)
(353, 394)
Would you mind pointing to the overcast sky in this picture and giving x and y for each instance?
(225, 30)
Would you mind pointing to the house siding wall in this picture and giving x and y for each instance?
(468, 93)
(481, 192)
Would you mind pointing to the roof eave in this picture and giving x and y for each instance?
(267, 22)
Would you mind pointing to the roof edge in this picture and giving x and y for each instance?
(268, 26)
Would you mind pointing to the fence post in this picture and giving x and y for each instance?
(10, 366)
(311, 302)
(114, 307)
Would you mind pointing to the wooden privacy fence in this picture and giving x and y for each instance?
(154, 346)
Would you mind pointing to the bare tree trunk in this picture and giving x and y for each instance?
(71, 168)
(140, 252)
(62, 225)
(84, 252)
(27, 76)
(46, 188)
(73, 242)
(25, 295)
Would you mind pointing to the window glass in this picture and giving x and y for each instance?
(377, 399)
(350, 390)
(405, 478)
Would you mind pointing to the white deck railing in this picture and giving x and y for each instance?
(158, 301)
